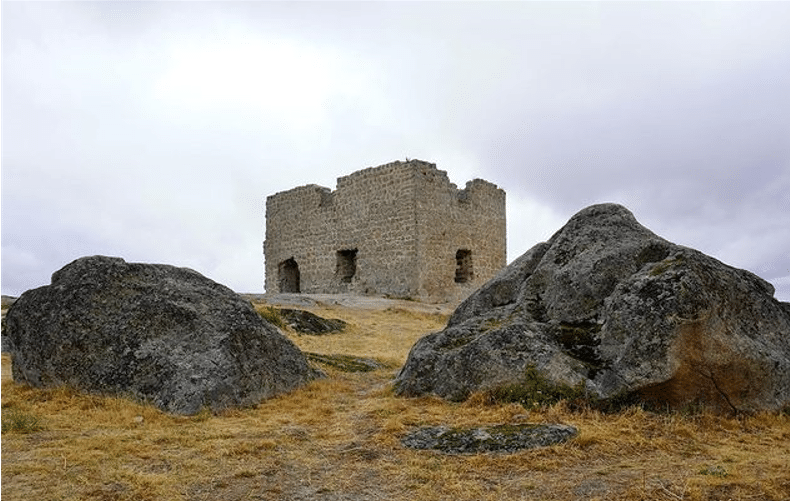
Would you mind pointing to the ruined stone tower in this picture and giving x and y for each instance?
(400, 229)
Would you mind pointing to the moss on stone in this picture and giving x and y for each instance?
(665, 265)
(534, 390)
(497, 438)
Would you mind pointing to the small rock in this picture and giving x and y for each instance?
(346, 363)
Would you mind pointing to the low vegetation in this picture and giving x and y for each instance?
(19, 422)
(535, 391)
(271, 314)
(339, 439)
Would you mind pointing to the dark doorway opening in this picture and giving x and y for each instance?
(288, 276)
(463, 266)
(346, 265)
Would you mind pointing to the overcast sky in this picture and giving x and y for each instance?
(155, 131)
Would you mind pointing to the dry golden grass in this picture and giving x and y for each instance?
(338, 439)
(385, 334)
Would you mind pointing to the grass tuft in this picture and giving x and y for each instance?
(271, 315)
(714, 471)
(15, 421)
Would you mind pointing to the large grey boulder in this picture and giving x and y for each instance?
(166, 335)
(608, 305)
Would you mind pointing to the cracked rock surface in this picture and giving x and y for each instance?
(158, 333)
(500, 438)
(608, 305)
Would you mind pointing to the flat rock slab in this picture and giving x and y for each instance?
(346, 363)
(498, 438)
(305, 322)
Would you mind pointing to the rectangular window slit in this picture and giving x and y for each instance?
(346, 265)
(463, 266)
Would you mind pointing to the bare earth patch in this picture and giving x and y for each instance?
(339, 439)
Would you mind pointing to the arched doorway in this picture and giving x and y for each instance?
(288, 276)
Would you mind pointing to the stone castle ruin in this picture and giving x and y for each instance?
(400, 229)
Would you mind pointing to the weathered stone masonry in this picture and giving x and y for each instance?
(400, 229)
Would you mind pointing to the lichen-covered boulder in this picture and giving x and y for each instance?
(162, 334)
(608, 305)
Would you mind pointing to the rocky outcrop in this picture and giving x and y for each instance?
(166, 335)
(305, 322)
(608, 305)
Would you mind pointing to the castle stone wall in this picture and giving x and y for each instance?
(400, 229)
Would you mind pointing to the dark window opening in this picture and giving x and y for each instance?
(346, 265)
(288, 276)
(463, 266)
